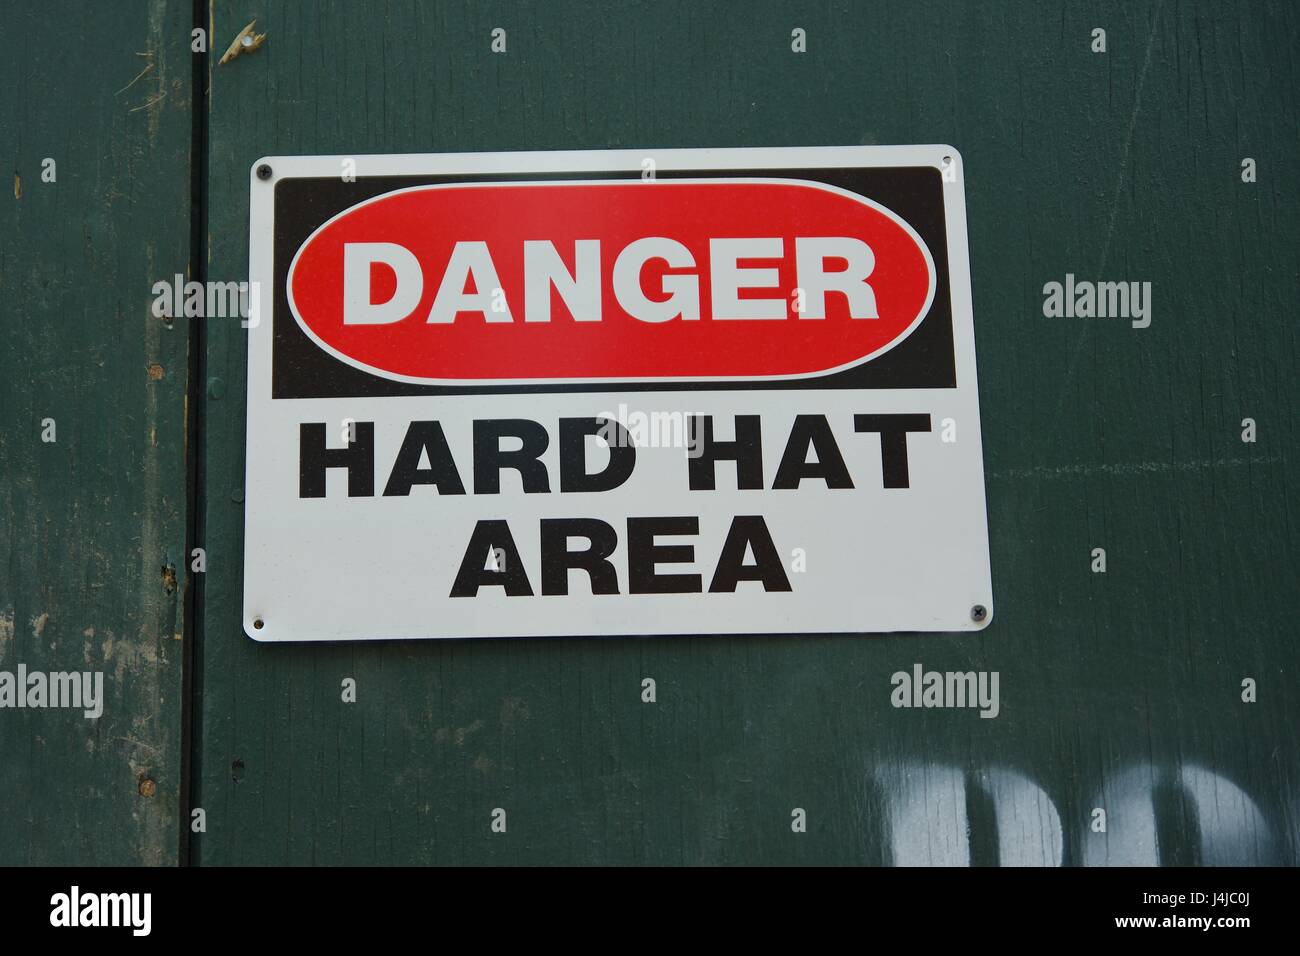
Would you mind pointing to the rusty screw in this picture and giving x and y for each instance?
(147, 787)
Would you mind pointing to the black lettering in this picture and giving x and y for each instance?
(814, 431)
(643, 554)
(488, 537)
(573, 454)
(749, 532)
(557, 559)
(489, 459)
(424, 437)
(746, 451)
(314, 459)
(893, 442)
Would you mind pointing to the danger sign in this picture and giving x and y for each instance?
(601, 393)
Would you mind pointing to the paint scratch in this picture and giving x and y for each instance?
(1128, 468)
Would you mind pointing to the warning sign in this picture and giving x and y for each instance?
(603, 393)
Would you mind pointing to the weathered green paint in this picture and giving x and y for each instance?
(89, 522)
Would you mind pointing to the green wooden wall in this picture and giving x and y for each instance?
(92, 524)
(1120, 691)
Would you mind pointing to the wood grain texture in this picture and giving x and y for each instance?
(1119, 691)
(92, 525)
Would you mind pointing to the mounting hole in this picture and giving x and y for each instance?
(264, 171)
(258, 624)
(979, 613)
(947, 160)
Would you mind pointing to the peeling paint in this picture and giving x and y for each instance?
(246, 41)
(6, 630)
(512, 709)
(457, 734)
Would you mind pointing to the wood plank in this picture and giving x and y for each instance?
(1118, 690)
(92, 524)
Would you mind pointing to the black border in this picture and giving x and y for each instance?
(925, 359)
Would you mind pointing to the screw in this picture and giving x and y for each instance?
(264, 171)
(258, 623)
(979, 612)
(147, 787)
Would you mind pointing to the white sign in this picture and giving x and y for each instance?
(606, 393)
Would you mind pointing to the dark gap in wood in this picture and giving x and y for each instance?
(196, 391)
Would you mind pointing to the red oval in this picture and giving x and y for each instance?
(429, 221)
